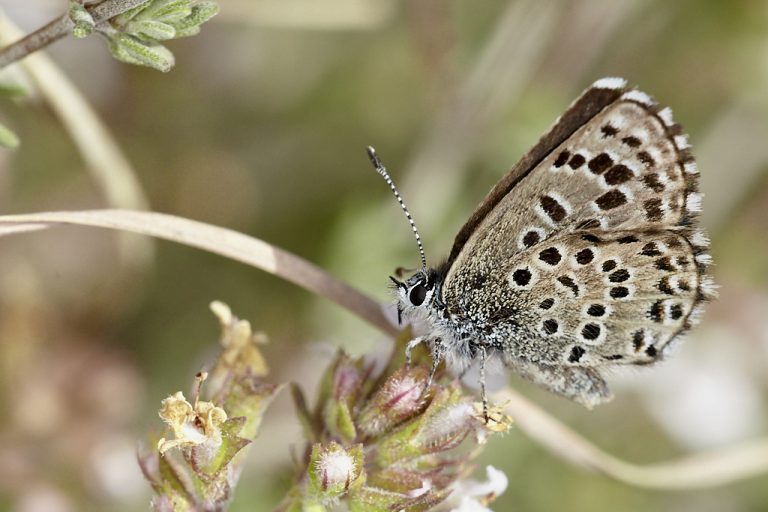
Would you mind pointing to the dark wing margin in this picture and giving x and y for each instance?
(600, 95)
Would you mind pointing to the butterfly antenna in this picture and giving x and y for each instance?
(384, 174)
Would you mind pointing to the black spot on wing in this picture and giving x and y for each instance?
(611, 199)
(576, 353)
(522, 276)
(600, 163)
(585, 256)
(553, 208)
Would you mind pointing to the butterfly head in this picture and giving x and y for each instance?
(416, 291)
(417, 294)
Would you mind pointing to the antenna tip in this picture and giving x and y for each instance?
(373, 156)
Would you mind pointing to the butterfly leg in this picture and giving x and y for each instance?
(437, 356)
(415, 342)
(583, 385)
(483, 357)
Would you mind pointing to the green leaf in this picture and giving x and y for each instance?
(370, 499)
(130, 14)
(8, 139)
(150, 29)
(308, 423)
(201, 13)
(231, 444)
(167, 11)
(249, 397)
(187, 32)
(345, 423)
(175, 480)
(133, 50)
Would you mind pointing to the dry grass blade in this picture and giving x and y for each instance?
(12, 229)
(693, 472)
(217, 240)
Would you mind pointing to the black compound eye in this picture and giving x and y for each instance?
(417, 295)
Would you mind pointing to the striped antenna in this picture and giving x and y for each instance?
(384, 174)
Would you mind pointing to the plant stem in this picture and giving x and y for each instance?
(61, 27)
(40, 38)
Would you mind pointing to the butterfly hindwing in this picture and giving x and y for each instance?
(612, 181)
(608, 298)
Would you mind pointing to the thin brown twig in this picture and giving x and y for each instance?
(61, 27)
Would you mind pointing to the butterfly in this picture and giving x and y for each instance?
(585, 256)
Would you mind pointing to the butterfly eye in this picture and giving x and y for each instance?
(417, 295)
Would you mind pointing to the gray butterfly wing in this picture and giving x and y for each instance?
(586, 254)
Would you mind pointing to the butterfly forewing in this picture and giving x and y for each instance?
(586, 254)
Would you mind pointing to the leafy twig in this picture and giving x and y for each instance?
(61, 27)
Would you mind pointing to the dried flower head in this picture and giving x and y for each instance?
(241, 345)
(192, 425)
(212, 434)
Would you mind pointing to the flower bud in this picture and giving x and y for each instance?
(440, 427)
(335, 470)
(340, 390)
(399, 398)
(447, 427)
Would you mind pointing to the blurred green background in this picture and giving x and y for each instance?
(262, 126)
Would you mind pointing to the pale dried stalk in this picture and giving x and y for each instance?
(707, 469)
(697, 471)
(225, 242)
